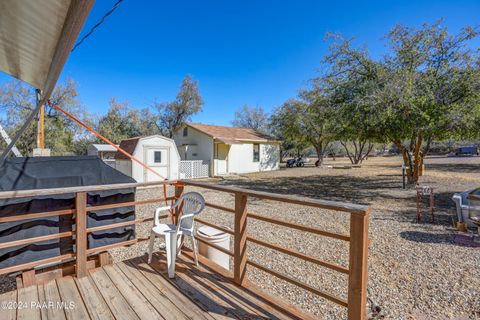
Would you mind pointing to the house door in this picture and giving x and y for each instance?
(221, 158)
(157, 158)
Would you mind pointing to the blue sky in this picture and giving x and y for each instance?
(241, 52)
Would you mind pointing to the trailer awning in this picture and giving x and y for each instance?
(36, 38)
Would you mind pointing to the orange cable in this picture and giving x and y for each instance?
(131, 157)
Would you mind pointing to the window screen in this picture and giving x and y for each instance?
(157, 157)
(185, 131)
(256, 152)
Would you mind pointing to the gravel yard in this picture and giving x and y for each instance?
(415, 269)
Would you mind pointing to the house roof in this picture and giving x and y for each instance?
(104, 147)
(230, 135)
(129, 146)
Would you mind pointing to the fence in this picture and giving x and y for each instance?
(193, 169)
(357, 237)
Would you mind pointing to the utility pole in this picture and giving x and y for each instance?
(40, 150)
(41, 122)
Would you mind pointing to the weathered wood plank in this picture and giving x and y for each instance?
(71, 297)
(142, 307)
(27, 298)
(9, 299)
(114, 299)
(240, 239)
(159, 301)
(52, 295)
(50, 191)
(357, 281)
(171, 292)
(209, 300)
(42, 301)
(253, 292)
(231, 292)
(81, 233)
(94, 302)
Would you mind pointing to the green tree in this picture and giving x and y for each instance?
(17, 101)
(308, 119)
(279, 127)
(171, 116)
(424, 90)
(124, 122)
(348, 79)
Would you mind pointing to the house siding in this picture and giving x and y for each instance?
(240, 158)
(203, 146)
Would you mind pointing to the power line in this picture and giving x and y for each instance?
(97, 25)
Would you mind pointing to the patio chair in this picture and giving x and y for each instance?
(191, 204)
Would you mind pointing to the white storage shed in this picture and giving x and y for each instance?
(157, 152)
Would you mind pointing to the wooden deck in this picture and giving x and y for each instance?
(134, 289)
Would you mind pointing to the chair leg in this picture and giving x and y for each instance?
(179, 244)
(171, 246)
(195, 250)
(150, 247)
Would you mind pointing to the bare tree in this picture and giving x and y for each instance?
(251, 117)
(172, 115)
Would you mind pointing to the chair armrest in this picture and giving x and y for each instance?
(157, 213)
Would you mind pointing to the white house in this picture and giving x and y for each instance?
(157, 152)
(105, 152)
(228, 150)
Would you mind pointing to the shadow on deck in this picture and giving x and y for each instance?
(134, 289)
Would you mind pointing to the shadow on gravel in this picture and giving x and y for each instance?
(455, 167)
(362, 190)
(427, 237)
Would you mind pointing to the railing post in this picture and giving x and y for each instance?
(240, 239)
(358, 266)
(81, 233)
(178, 193)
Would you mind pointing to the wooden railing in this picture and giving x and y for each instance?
(357, 237)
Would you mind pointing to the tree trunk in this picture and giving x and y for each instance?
(319, 150)
(358, 155)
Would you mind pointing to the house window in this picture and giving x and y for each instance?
(157, 157)
(256, 152)
(185, 131)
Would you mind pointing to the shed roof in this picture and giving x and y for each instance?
(230, 135)
(104, 147)
(129, 146)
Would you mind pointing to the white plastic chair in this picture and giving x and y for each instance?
(192, 204)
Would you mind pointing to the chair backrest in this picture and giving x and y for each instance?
(192, 204)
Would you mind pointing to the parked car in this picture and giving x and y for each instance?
(462, 151)
(297, 162)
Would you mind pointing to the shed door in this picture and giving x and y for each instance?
(157, 158)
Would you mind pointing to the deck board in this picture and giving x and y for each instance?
(52, 295)
(94, 301)
(8, 298)
(134, 289)
(70, 295)
(159, 301)
(114, 299)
